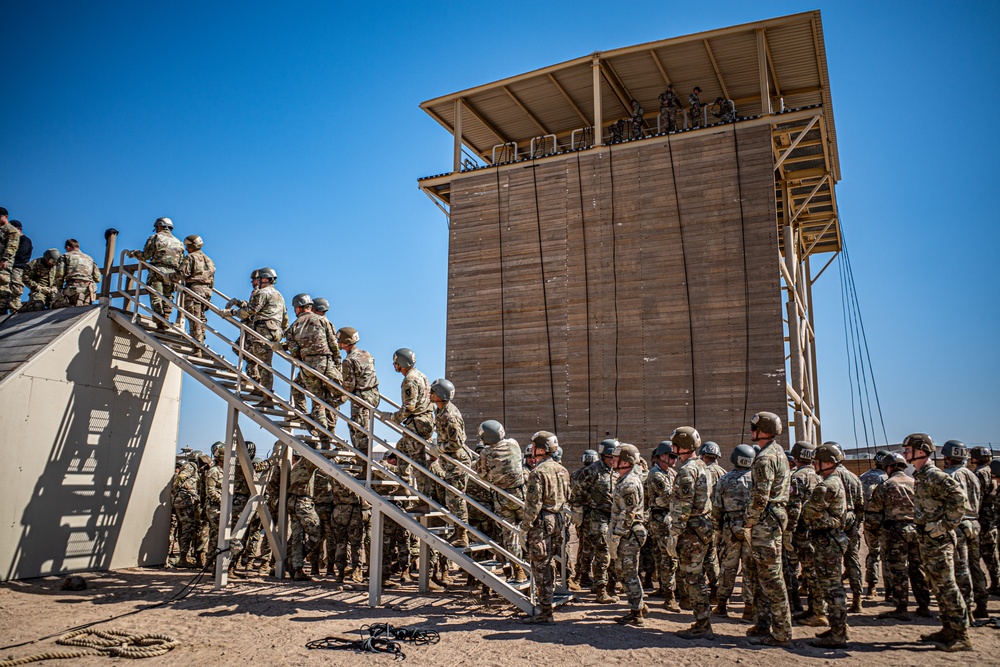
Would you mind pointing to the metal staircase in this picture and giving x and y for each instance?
(380, 486)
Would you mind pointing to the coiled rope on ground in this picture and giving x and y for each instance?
(112, 643)
(381, 638)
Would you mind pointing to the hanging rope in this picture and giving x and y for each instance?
(112, 643)
(545, 298)
(847, 346)
(746, 285)
(614, 273)
(503, 307)
(586, 294)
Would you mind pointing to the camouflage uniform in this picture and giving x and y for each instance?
(968, 570)
(305, 522)
(360, 379)
(891, 507)
(939, 507)
(670, 109)
(348, 523)
(657, 491)
(9, 240)
(76, 274)
(451, 440)
(417, 414)
(312, 339)
(272, 496)
(823, 514)
(323, 503)
(869, 481)
(852, 527)
(988, 524)
(40, 279)
(213, 505)
(545, 507)
(727, 112)
(715, 473)
(395, 550)
(804, 479)
(730, 499)
(500, 465)
(591, 499)
(767, 518)
(266, 314)
(198, 272)
(185, 496)
(635, 120)
(691, 526)
(694, 110)
(627, 518)
(165, 252)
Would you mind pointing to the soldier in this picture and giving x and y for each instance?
(981, 457)
(164, 253)
(76, 275)
(724, 110)
(40, 277)
(670, 109)
(348, 524)
(852, 526)
(9, 241)
(451, 441)
(968, 571)
(628, 532)
(212, 507)
(302, 511)
(710, 453)
(416, 413)
(395, 551)
(198, 273)
(11, 300)
(657, 491)
(635, 119)
(272, 495)
(939, 507)
(691, 528)
(798, 549)
(891, 507)
(323, 502)
(185, 497)
(545, 507)
(266, 314)
(730, 499)
(824, 515)
(590, 501)
(241, 496)
(694, 107)
(313, 340)
(766, 519)
(869, 481)
(359, 379)
(500, 465)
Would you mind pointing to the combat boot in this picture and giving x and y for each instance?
(748, 613)
(586, 582)
(899, 613)
(771, 640)
(855, 604)
(633, 617)
(573, 585)
(961, 642)
(669, 603)
(298, 574)
(461, 538)
(814, 621)
(721, 610)
(831, 640)
(356, 575)
(542, 617)
(757, 631)
(924, 611)
(445, 577)
(602, 596)
(980, 611)
(517, 574)
(942, 636)
(795, 600)
(700, 630)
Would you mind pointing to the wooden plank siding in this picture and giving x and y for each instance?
(570, 307)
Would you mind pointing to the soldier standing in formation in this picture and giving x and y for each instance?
(658, 489)
(981, 457)
(197, 271)
(76, 277)
(545, 507)
(798, 548)
(359, 379)
(450, 429)
(185, 496)
(710, 453)
(694, 107)
(730, 499)
(213, 497)
(871, 479)
(968, 572)
(590, 501)
(313, 340)
(627, 530)
(582, 576)
(852, 526)
(305, 532)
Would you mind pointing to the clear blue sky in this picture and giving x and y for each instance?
(290, 136)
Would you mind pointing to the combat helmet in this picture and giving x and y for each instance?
(301, 300)
(628, 453)
(981, 454)
(321, 305)
(404, 357)
(546, 440)
(194, 241)
(269, 273)
(608, 447)
(686, 438)
(955, 449)
(742, 456)
(590, 456)
(491, 432)
(166, 223)
(664, 448)
(710, 449)
(919, 441)
(829, 452)
(52, 254)
(443, 389)
(346, 335)
(767, 422)
(218, 449)
(803, 450)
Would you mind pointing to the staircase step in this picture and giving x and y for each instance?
(472, 548)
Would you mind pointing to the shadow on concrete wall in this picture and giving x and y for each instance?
(73, 520)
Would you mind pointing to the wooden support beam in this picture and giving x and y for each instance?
(523, 108)
(579, 112)
(451, 129)
(791, 204)
(659, 66)
(715, 66)
(770, 67)
(617, 86)
(489, 126)
(458, 135)
(765, 91)
(595, 67)
(819, 238)
(795, 143)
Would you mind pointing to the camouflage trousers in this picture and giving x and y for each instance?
(305, 529)
(318, 385)
(544, 542)
(395, 548)
(595, 535)
(692, 547)
(74, 294)
(348, 529)
(627, 562)
(39, 299)
(262, 350)
(415, 450)
(694, 116)
(712, 563)
(196, 323)
(769, 594)
(236, 546)
(666, 566)
(161, 292)
(937, 558)
(901, 555)
(828, 555)
(459, 478)
(10, 298)
(874, 554)
(186, 511)
(988, 549)
(668, 119)
(363, 416)
(968, 571)
(327, 534)
(512, 513)
(803, 555)
(210, 537)
(852, 559)
(733, 550)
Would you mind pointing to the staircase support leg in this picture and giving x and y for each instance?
(226, 505)
(424, 560)
(281, 558)
(375, 567)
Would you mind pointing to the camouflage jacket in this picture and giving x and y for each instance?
(300, 482)
(267, 307)
(323, 489)
(669, 99)
(198, 269)
(343, 495)
(827, 506)
(500, 465)
(730, 499)
(869, 480)
(627, 505)
(187, 481)
(10, 239)
(892, 500)
(240, 485)
(715, 472)
(272, 487)
(804, 480)
(163, 250)
(359, 376)
(970, 487)
(771, 480)
(416, 398)
(694, 102)
(312, 335)
(40, 277)
(213, 486)
(548, 491)
(451, 431)
(692, 496)
(854, 490)
(938, 497)
(657, 491)
(593, 489)
(987, 504)
(75, 266)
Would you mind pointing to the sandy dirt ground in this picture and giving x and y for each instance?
(262, 621)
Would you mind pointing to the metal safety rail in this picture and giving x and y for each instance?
(227, 380)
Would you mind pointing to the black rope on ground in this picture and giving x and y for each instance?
(381, 638)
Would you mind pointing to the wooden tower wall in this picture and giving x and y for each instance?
(568, 306)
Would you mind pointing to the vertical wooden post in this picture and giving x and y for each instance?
(110, 237)
(598, 110)
(458, 135)
(375, 561)
(765, 88)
